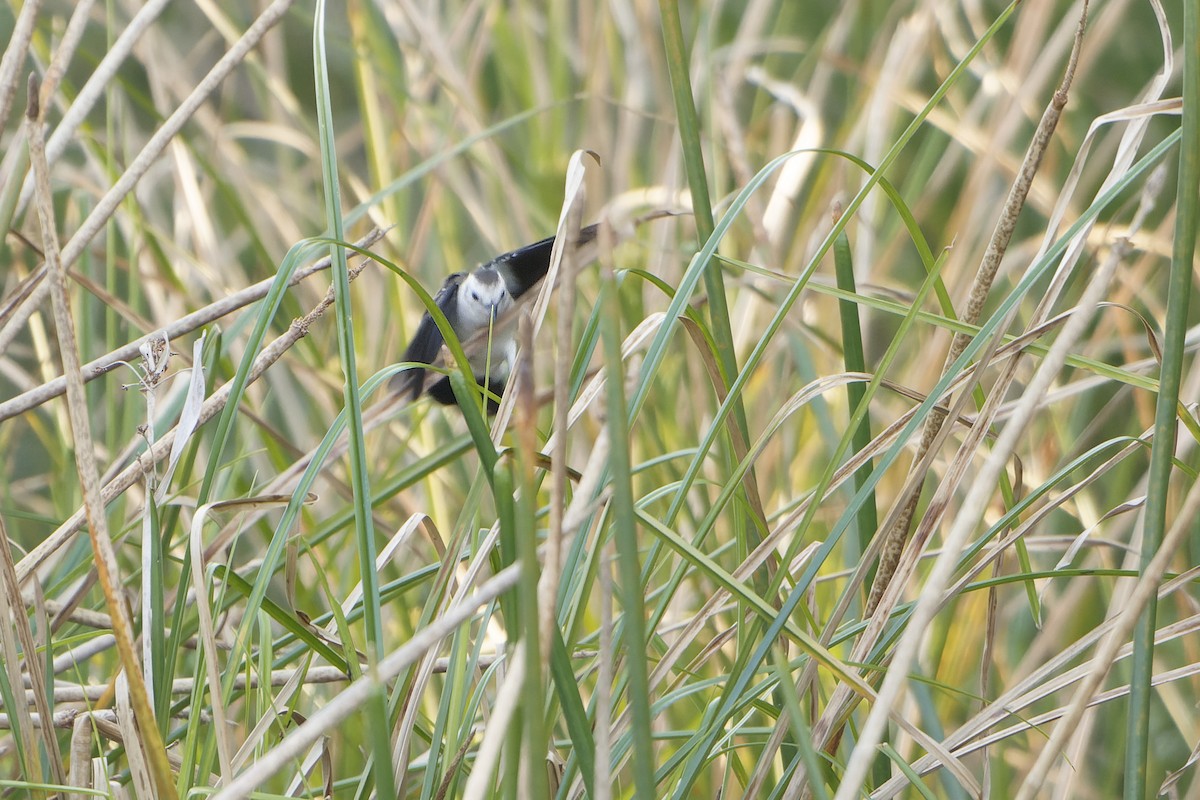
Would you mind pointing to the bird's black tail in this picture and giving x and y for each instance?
(409, 382)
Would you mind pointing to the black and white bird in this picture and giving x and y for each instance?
(472, 302)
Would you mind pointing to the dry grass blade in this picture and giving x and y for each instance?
(548, 592)
(141, 769)
(897, 534)
(189, 418)
(208, 634)
(81, 751)
(1147, 586)
(14, 57)
(145, 736)
(508, 698)
(13, 607)
(93, 90)
(107, 205)
(1037, 687)
(982, 487)
(180, 327)
(68, 694)
(358, 692)
(161, 448)
(63, 54)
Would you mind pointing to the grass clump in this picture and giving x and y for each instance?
(869, 470)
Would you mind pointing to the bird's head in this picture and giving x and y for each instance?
(482, 297)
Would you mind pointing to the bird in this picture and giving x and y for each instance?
(473, 302)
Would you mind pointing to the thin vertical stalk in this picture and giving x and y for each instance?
(718, 306)
(378, 734)
(1179, 289)
(624, 527)
(855, 361)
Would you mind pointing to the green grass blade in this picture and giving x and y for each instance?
(1162, 452)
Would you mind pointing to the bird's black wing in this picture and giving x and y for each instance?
(524, 267)
(427, 342)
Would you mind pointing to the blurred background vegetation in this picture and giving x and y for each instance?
(706, 629)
